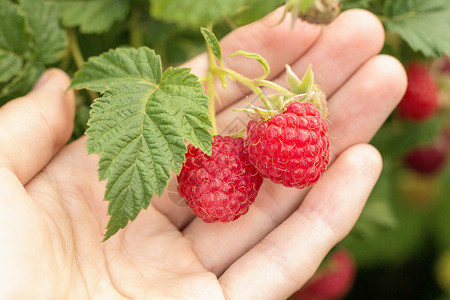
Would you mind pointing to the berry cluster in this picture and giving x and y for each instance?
(290, 148)
(420, 104)
(287, 142)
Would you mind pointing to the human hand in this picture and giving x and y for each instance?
(52, 216)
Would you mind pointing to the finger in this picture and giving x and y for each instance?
(286, 258)
(33, 128)
(336, 43)
(278, 44)
(356, 115)
(346, 44)
(334, 55)
(356, 112)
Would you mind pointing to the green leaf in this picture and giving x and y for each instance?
(92, 16)
(10, 65)
(140, 126)
(30, 37)
(262, 61)
(212, 42)
(423, 24)
(50, 39)
(21, 83)
(14, 34)
(120, 65)
(194, 13)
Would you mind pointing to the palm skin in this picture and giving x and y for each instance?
(52, 217)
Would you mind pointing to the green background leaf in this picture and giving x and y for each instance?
(424, 24)
(30, 37)
(49, 38)
(92, 16)
(140, 126)
(194, 13)
(10, 65)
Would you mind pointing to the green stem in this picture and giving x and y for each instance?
(211, 107)
(252, 84)
(276, 87)
(136, 37)
(75, 48)
(211, 90)
(77, 56)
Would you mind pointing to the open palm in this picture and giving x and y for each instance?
(52, 216)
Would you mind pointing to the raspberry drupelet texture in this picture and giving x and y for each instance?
(292, 148)
(220, 187)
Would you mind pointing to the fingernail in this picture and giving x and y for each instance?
(45, 77)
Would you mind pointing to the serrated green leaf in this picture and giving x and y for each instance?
(262, 61)
(423, 24)
(194, 13)
(92, 16)
(10, 65)
(120, 65)
(49, 38)
(140, 126)
(212, 42)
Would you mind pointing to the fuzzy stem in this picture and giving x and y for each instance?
(252, 84)
(75, 48)
(210, 89)
(276, 87)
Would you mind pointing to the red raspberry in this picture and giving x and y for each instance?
(220, 187)
(292, 148)
(430, 158)
(421, 98)
(333, 280)
(425, 160)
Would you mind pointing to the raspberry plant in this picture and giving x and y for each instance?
(124, 51)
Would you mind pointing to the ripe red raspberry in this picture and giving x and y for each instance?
(333, 280)
(292, 148)
(420, 101)
(430, 158)
(220, 187)
(425, 160)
